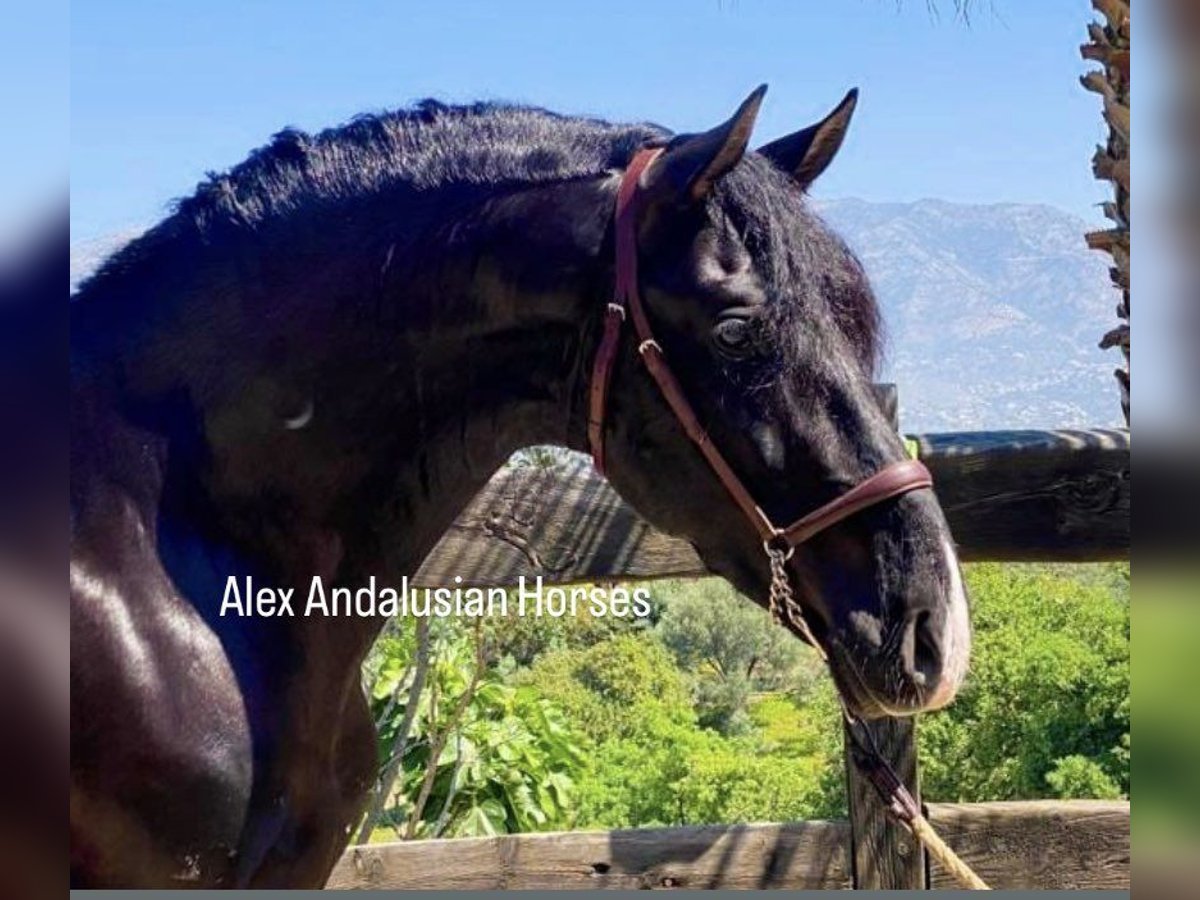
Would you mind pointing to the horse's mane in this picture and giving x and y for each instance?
(429, 146)
(436, 145)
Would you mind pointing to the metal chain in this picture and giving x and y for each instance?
(785, 610)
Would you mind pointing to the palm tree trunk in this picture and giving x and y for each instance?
(1109, 46)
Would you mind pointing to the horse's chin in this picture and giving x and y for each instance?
(860, 700)
(864, 702)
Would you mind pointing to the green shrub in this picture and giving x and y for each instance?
(1049, 682)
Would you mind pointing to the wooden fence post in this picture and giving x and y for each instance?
(883, 855)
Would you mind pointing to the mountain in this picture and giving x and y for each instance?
(992, 311)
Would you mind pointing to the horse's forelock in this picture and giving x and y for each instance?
(807, 269)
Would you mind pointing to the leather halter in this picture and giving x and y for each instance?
(891, 481)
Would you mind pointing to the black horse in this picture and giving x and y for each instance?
(314, 364)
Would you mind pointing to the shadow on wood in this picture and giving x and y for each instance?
(1028, 844)
(796, 855)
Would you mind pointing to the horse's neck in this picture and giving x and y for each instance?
(461, 415)
(347, 425)
(376, 448)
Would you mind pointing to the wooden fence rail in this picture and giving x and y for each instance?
(1009, 495)
(1035, 844)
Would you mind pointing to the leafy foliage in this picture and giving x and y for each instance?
(708, 713)
(626, 687)
(506, 763)
(652, 760)
(519, 641)
(1048, 690)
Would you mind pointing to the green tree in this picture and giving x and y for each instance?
(651, 762)
(520, 640)
(633, 703)
(628, 686)
(1045, 709)
(806, 726)
(729, 645)
(611, 726)
(1079, 776)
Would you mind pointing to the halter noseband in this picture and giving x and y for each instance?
(891, 481)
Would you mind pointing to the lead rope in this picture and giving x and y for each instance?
(896, 797)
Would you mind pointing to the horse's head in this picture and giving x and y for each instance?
(769, 324)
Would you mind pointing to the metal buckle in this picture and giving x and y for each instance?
(618, 309)
(647, 344)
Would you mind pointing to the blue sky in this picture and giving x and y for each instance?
(34, 93)
(163, 92)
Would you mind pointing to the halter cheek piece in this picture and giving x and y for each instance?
(891, 481)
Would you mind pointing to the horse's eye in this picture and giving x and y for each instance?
(734, 337)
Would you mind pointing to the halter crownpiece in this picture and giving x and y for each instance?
(893, 480)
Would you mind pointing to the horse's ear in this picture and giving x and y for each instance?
(692, 163)
(807, 153)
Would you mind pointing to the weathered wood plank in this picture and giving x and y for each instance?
(1035, 496)
(564, 523)
(1047, 845)
(1009, 495)
(1033, 844)
(796, 855)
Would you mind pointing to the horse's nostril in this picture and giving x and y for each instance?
(922, 653)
